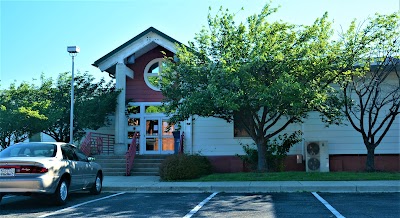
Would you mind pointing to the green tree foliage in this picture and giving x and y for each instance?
(371, 51)
(29, 109)
(267, 75)
(20, 113)
(94, 102)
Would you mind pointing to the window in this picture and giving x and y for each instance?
(68, 153)
(81, 156)
(133, 121)
(238, 129)
(154, 109)
(133, 109)
(152, 73)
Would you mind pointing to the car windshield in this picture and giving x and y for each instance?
(29, 150)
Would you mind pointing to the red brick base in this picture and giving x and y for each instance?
(352, 163)
(388, 163)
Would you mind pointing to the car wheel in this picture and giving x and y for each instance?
(61, 194)
(97, 185)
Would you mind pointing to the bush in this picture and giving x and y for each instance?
(183, 167)
(277, 150)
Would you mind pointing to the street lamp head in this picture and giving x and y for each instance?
(73, 49)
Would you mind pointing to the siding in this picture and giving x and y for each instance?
(212, 136)
(136, 88)
(345, 140)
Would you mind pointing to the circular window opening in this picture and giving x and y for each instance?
(152, 74)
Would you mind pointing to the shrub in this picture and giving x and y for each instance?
(183, 167)
(277, 150)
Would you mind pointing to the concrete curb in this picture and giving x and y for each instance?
(255, 187)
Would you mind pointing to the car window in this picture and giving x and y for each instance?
(68, 153)
(44, 151)
(80, 154)
(29, 150)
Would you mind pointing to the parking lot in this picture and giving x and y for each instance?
(123, 204)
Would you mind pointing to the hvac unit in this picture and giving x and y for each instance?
(317, 156)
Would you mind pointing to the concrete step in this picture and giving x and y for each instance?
(143, 165)
(114, 173)
(106, 157)
(144, 161)
(148, 169)
(144, 174)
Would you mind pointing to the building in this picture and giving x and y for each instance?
(136, 64)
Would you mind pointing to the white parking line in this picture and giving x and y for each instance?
(327, 205)
(78, 205)
(199, 206)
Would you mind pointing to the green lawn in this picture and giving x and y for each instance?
(301, 176)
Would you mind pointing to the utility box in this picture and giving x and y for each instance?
(299, 158)
(177, 141)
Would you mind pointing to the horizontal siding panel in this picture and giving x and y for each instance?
(215, 136)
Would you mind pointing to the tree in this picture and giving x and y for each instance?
(372, 93)
(94, 102)
(19, 113)
(263, 75)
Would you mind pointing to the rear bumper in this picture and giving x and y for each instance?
(25, 184)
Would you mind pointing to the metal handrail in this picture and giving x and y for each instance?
(130, 154)
(86, 144)
(106, 143)
(99, 145)
(100, 142)
(181, 143)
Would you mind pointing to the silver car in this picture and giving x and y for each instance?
(47, 168)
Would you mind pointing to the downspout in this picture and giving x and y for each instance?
(190, 123)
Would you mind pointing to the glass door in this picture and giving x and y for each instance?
(159, 139)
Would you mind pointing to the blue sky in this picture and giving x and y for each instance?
(35, 34)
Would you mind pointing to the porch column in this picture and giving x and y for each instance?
(121, 72)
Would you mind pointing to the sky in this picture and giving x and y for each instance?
(35, 35)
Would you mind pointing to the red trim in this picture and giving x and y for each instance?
(130, 154)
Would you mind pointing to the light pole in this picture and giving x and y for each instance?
(73, 51)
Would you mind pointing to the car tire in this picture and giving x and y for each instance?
(97, 185)
(61, 194)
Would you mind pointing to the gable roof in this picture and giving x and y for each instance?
(134, 39)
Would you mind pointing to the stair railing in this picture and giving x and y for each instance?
(87, 144)
(130, 154)
(103, 143)
(181, 143)
(100, 143)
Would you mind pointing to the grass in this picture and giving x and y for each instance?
(300, 176)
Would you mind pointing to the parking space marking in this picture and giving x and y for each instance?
(78, 205)
(327, 205)
(199, 206)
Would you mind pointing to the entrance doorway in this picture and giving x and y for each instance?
(158, 138)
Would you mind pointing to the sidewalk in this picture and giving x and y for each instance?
(152, 184)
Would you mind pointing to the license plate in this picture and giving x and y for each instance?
(7, 171)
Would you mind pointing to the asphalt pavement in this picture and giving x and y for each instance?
(152, 184)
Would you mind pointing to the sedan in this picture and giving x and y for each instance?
(48, 168)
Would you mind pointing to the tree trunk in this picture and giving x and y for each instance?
(370, 167)
(262, 160)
